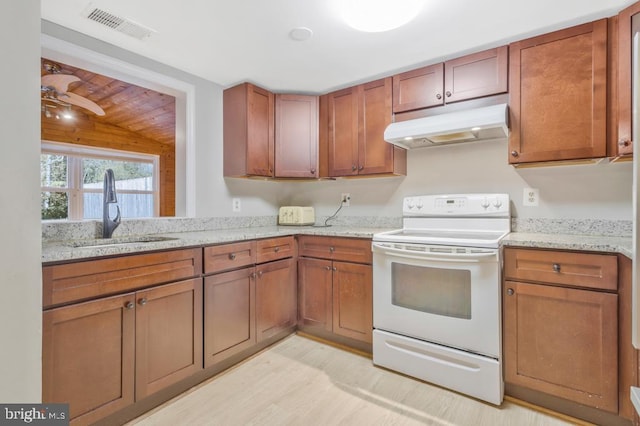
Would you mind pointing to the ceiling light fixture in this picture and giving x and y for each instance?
(377, 15)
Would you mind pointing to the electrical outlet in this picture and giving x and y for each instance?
(530, 197)
(237, 206)
(345, 199)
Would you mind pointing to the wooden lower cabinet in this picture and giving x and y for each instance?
(335, 297)
(353, 300)
(562, 341)
(275, 298)
(88, 352)
(94, 352)
(168, 335)
(229, 314)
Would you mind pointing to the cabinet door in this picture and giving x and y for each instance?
(343, 132)
(229, 314)
(275, 298)
(88, 357)
(476, 75)
(315, 294)
(375, 155)
(628, 24)
(260, 133)
(168, 335)
(558, 95)
(296, 142)
(353, 301)
(417, 89)
(563, 342)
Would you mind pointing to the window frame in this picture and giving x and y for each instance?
(76, 154)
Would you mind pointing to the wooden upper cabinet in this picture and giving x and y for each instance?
(417, 89)
(357, 118)
(558, 95)
(628, 25)
(296, 143)
(472, 76)
(248, 128)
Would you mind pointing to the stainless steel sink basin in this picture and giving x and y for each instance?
(110, 242)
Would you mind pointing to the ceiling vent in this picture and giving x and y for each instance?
(124, 25)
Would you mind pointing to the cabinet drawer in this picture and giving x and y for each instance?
(274, 249)
(89, 279)
(229, 256)
(356, 250)
(562, 268)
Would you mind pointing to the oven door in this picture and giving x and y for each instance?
(441, 294)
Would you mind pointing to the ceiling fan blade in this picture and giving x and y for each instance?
(60, 82)
(85, 103)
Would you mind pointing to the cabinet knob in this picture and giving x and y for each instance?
(353, 168)
(232, 256)
(129, 305)
(142, 301)
(514, 153)
(277, 249)
(438, 96)
(328, 268)
(556, 267)
(313, 171)
(332, 249)
(260, 274)
(510, 291)
(334, 269)
(624, 142)
(448, 93)
(360, 168)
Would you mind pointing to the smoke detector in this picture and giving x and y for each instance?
(118, 23)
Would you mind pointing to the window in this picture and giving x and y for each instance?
(71, 179)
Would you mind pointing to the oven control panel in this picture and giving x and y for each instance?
(495, 205)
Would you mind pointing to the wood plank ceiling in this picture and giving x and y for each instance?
(137, 109)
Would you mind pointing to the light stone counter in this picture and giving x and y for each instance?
(607, 244)
(59, 251)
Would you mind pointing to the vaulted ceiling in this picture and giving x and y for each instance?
(137, 109)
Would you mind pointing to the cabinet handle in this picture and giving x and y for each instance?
(556, 267)
(129, 305)
(353, 168)
(232, 256)
(438, 96)
(277, 249)
(360, 168)
(142, 301)
(448, 93)
(624, 142)
(510, 291)
(514, 153)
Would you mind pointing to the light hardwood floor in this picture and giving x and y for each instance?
(299, 381)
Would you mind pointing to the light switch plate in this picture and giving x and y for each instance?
(235, 202)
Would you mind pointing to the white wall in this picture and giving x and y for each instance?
(601, 191)
(20, 250)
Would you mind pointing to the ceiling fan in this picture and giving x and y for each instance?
(54, 88)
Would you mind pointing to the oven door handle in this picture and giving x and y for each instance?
(450, 257)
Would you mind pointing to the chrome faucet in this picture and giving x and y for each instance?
(109, 197)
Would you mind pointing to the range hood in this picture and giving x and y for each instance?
(462, 126)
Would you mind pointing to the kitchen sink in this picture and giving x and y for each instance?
(110, 242)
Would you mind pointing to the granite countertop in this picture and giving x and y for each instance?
(606, 244)
(59, 251)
